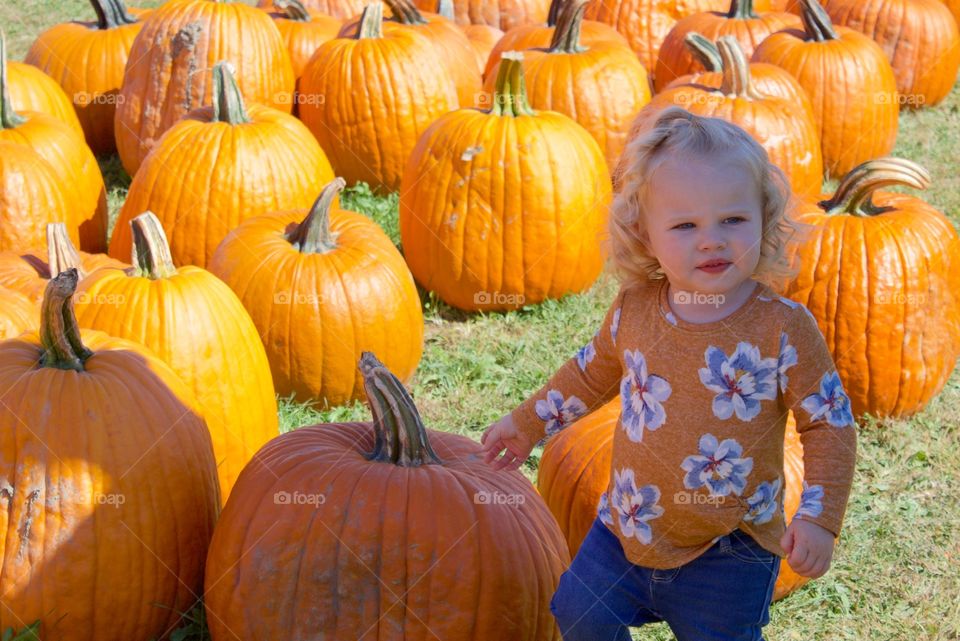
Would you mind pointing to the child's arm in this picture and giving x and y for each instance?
(583, 383)
(812, 389)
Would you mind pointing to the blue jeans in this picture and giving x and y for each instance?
(723, 594)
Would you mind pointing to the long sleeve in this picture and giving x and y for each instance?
(812, 389)
(583, 383)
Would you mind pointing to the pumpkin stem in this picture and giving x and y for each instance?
(59, 332)
(371, 22)
(394, 414)
(510, 92)
(313, 235)
(566, 35)
(445, 9)
(405, 12)
(8, 117)
(736, 70)
(741, 10)
(151, 252)
(61, 254)
(553, 14)
(111, 14)
(293, 10)
(227, 100)
(854, 193)
(816, 22)
(704, 51)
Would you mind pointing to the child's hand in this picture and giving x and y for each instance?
(504, 434)
(809, 548)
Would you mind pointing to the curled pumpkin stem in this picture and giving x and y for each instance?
(736, 70)
(566, 35)
(704, 51)
(313, 235)
(111, 14)
(293, 10)
(816, 22)
(150, 256)
(854, 193)
(405, 12)
(59, 332)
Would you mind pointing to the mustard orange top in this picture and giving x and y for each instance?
(698, 449)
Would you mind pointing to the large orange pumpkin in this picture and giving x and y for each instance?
(340, 9)
(32, 194)
(881, 274)
(850, 82)
(87, 59)
(918, 37)
(108, 483)
(218, 167)
(575, 470)
(166, 75)
(17, 313)
(32, 90)
(196, 324)
(741, 21)
(331, 529)
(380, 91)
(601, 86)
(303, 30)
(503, 14)
(322, 287)
(504, 207)
(483, 38)
(787, 133)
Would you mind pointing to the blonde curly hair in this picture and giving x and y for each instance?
(679, 132)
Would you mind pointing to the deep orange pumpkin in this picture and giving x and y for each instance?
(503, 14)
(303, 30)
(17, 313)
(32, 196)
(112, 484)
(483, 38)
(278, 567)
(32, 90)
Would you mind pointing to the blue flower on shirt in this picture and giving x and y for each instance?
(811, 501)
(586, 354)
(719, 466)
(786, 360)
(740, 381)
(832, 403)
(635, 507)
(603, 510)
(763, 502)
(641, 397)
(559, 412)
(615, 325)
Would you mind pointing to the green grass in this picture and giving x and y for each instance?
(895, 572)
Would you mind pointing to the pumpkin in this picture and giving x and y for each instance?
(602, 86)
(32, 90)
(503, 14)
(408, 503)
(530, 36)
(483, 38)
(880, 274)
(785, 132)
(17, 313)
(29, 272)
(741, 21)
(504, 207)
(219, 166)
(165, 77)
(322, 287)
(645, 23)
(196, 324)
(851, 85)
(575, 471)
(954, 6)
(340, 9)
(303, 31)
(451, 44)
(380, 91)
(112, 485)
(32, 194)
(918, 37)
(87, 59)
(69, 155)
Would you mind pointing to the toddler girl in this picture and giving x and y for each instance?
(707, 360)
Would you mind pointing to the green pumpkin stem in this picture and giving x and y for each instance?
(399, 434)
(566, 35)
(293, 10)
(151, 252)
(741, 10)
(510, 92)
(553, 14)
(371, 22)
(61, 254)
(59, 332)
(313, 235)
(111, 14)
(704, 51)
(8, 117)
(227, 100)
(816, 22)
(736, 70)
(446, 10)
(405, 12)
(854, 193)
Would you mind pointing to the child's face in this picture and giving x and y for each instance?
(700, 210)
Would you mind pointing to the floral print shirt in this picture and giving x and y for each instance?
(698, 449)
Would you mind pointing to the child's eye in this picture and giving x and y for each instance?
(738, 219)
(684, 226)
